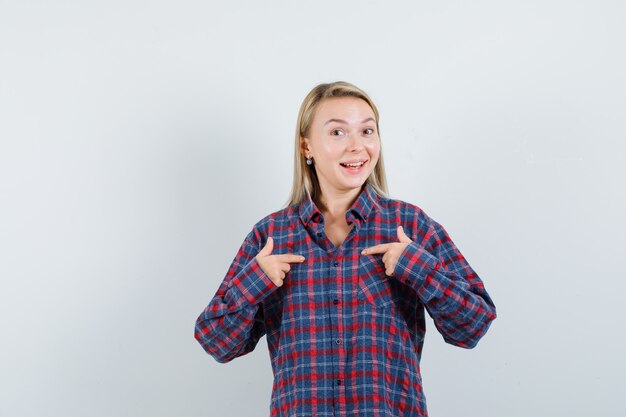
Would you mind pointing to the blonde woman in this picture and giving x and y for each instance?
(339, 279)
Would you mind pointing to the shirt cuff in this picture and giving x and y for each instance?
(251, 285)
(416, 267)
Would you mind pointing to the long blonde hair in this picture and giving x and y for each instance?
(305, 179)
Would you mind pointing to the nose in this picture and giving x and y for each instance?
(354, 142)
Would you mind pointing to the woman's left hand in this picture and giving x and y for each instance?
(392, 251)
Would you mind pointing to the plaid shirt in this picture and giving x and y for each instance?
(344, 338)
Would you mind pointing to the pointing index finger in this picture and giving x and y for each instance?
(382, 248)
(290, 258)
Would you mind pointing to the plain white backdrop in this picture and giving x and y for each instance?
(141, 140)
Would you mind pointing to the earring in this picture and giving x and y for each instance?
(309, 161)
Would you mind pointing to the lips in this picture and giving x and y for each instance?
(353, 167)
(353, 163)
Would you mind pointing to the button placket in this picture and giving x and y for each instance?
(336, 270)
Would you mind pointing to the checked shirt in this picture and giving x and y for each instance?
(344, 338)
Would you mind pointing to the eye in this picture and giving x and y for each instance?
(368, 131)
(336, 132)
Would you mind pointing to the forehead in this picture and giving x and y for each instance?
(349, 109)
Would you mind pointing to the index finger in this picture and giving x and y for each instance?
(289, 258)
(382, 248)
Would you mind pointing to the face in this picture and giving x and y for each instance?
(343, 142)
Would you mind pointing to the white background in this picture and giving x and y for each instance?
(141, 140)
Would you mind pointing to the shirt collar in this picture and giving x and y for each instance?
(361, 208)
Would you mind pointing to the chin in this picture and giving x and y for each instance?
(354, 184)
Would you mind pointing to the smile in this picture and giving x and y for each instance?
(353, 167)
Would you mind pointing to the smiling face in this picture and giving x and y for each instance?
(343, 142)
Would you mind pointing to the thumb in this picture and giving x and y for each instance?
(402, 236)
(267, 249)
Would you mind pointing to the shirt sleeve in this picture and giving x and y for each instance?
(232, 323)
(449, 288)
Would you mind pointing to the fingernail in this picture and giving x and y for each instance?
(302, 258)
(364, 251)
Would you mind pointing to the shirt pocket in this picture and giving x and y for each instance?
(374, 286)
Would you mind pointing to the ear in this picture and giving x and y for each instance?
(305, 146)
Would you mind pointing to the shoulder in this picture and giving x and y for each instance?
(406, 211)
(417, 223)
(275, 224)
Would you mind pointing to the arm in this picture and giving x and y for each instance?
(449, 288)
(232, 323)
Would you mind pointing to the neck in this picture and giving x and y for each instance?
(335, 203)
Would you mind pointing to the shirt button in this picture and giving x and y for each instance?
(339, 382)
(335, 301)
(335, 263)
(319, 234)
(338, 341)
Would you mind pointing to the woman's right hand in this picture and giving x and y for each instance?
(276, 266)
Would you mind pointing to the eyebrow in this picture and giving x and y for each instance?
(369, 119)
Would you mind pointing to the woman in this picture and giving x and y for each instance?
(339, 279)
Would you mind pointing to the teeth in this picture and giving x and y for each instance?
(358, 164)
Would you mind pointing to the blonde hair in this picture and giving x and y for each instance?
(305, 179)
